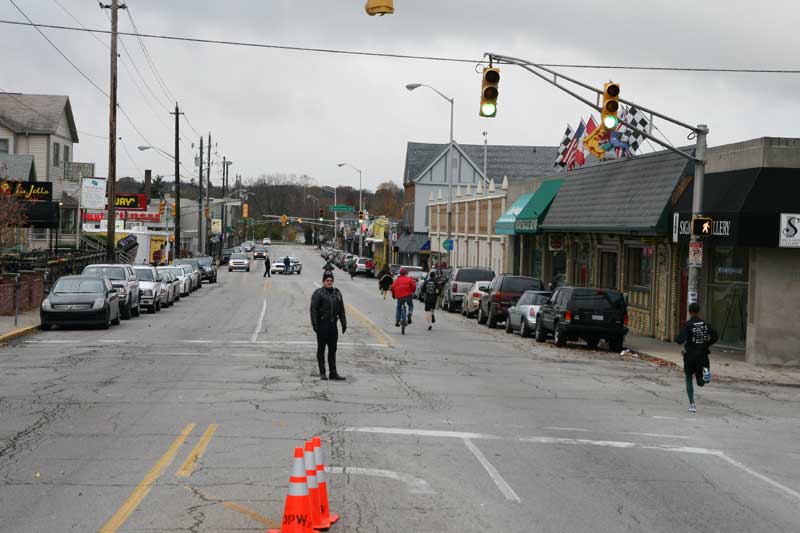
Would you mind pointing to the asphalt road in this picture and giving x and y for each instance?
(458, 429)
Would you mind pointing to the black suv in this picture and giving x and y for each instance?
(208, 270)
(502, 293)
(584, 313)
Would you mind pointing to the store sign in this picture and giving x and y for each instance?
(789, 231)
(30, 191)
(526, 225)
(129, 216)
(131, 201)
(696, 254)
(555, 243)
(216, 225)
(93, 193)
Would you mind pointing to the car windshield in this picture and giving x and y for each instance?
(110, 272)
(239, 256)
(204, 261)
(471, 275)
(144, 274)
(173, 270)
(515, 284)
(597, 299)
(78, 286)
(260, 249)
(539, 299)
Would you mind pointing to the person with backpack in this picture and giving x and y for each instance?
(430, 293)
(697, 336)
(385, 280)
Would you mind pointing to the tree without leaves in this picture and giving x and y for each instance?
(12, 217)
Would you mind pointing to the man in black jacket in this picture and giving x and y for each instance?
(267, 266)
(697, 336)
(327, 306)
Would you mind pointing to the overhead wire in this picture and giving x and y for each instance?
(339, 51)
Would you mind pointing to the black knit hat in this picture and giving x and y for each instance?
(327, 275)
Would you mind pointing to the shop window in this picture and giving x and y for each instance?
(608, 270)
(639, 268)
(730, 265)
(56, 154)
(4, 144)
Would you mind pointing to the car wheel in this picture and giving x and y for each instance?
(481, 318)
(524, 330)
(230, 270)
(126, 312)
(136, 311)
(153, 309)
(46, 327)
(509, 327)
(615, 344)
(540, 332)
(248, 269)
(559, 336)
(107, 322)
(592, 343)
(492, 322)
(116, 320)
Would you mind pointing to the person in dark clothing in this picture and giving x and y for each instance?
(697, 336)
(267, 265)
(385, 280)
(287, 265)
(327, 306)
(430, 293)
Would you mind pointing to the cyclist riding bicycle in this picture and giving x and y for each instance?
(403, 291)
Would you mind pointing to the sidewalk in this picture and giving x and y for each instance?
(725, 364)
(27, 323)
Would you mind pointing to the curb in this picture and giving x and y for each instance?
(18, 333)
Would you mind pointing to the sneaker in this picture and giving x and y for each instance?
(429, 327)
(337, 377)
(409, 320)
(692, 408)
(433, 318)
(323, 377)
(707, 375)
(397, 324)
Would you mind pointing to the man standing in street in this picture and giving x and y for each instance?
(697, 336)
(267, 265)
(327, 306)
(287, 265)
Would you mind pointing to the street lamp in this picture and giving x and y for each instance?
(411, 87)
(158, 150)
(360, 206)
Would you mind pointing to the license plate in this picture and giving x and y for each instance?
(597, 317)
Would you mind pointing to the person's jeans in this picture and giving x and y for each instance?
(410, 302)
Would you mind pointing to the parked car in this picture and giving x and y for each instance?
(78, 300)
(123, 278)
(365, 266)
(502, 293)
(172, 287)
(208, 271)
(394, 269)
(584, 313)
(151, 288)
(458, 282)
(266, 241)
(184, 279)
(191, 274)
(239, 261)
(198, 271)
(522, 315)
(247, 246)
(472, 299)
(259, 251)
(418, 291)
(226, 256)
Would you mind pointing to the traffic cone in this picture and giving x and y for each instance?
(313, 488)
(322, 482)
(297, 511)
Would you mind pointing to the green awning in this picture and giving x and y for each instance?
(528, 211)
(505, 224)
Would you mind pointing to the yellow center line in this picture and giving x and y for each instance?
(141, 490)
(252, 514)
(189, 465)
(377, 332)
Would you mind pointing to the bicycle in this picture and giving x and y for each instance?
(403, 315)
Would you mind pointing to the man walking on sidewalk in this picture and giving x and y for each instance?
(697, 336)
(327, 307)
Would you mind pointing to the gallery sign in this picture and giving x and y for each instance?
(789, 236)
(724, 227)
(29, 191)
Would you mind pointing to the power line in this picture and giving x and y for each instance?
(156, 73)
(401, 56)
(130, 158)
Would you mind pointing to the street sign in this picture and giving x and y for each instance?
(341, 208)
(702, 226)
(447, 244)
(789, 236)
(696, 254)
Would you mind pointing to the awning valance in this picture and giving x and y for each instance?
(528, 211)
(505, 224)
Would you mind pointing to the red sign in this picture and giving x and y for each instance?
(131, 202)
(130, 216)
(556, 243)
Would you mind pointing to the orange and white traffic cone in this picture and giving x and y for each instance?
(322, 482)
(313, 488)
(297, 511)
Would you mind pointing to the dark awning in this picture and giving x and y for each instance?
(411, 243)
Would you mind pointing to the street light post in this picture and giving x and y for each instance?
(450, 167)
(335, 214)
(360, 207)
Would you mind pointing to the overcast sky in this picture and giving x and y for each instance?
(300, 112)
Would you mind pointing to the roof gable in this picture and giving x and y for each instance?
(17, 167)
(36, 113)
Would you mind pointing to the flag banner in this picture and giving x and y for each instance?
(560, 161)
(628, 136)
(574, 147)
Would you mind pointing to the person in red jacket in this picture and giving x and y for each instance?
(403, 290)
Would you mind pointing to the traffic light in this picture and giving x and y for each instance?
(609, 113)
(245, 210)
(321, 214)
(702, 226)
(379, 7)
(174, 209)
(162, 206)
(491, 79)
(299, 220)
(360, 217)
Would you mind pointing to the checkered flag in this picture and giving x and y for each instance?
(561, 160)
(638, 119)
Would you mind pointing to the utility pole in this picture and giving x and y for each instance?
(111, 197)
(208, 190)
(200, 225)
(697, 208)
(177, 158)
(224, 200)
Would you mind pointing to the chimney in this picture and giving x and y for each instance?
(147, 177)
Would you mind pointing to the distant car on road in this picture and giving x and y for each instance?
(184, 278)
(123, 278)
(79, 300)
(198, 270)
(208, 271)
(172, 286)
(502, 293)
(366, 266)
(472, 299)
(259, 251)
(458, 282)
(150, 287)
(522, 315)
(226, 256)
(277, 266)
(266, 241)
(189, 272)
(240, 261)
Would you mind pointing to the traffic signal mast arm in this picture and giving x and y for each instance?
(529, 66)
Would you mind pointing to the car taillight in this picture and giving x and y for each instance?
(625, 319)
(455, 288)
(567, 315)
(498, 296)
(532, 312)
(370, 264)
(476, 295)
